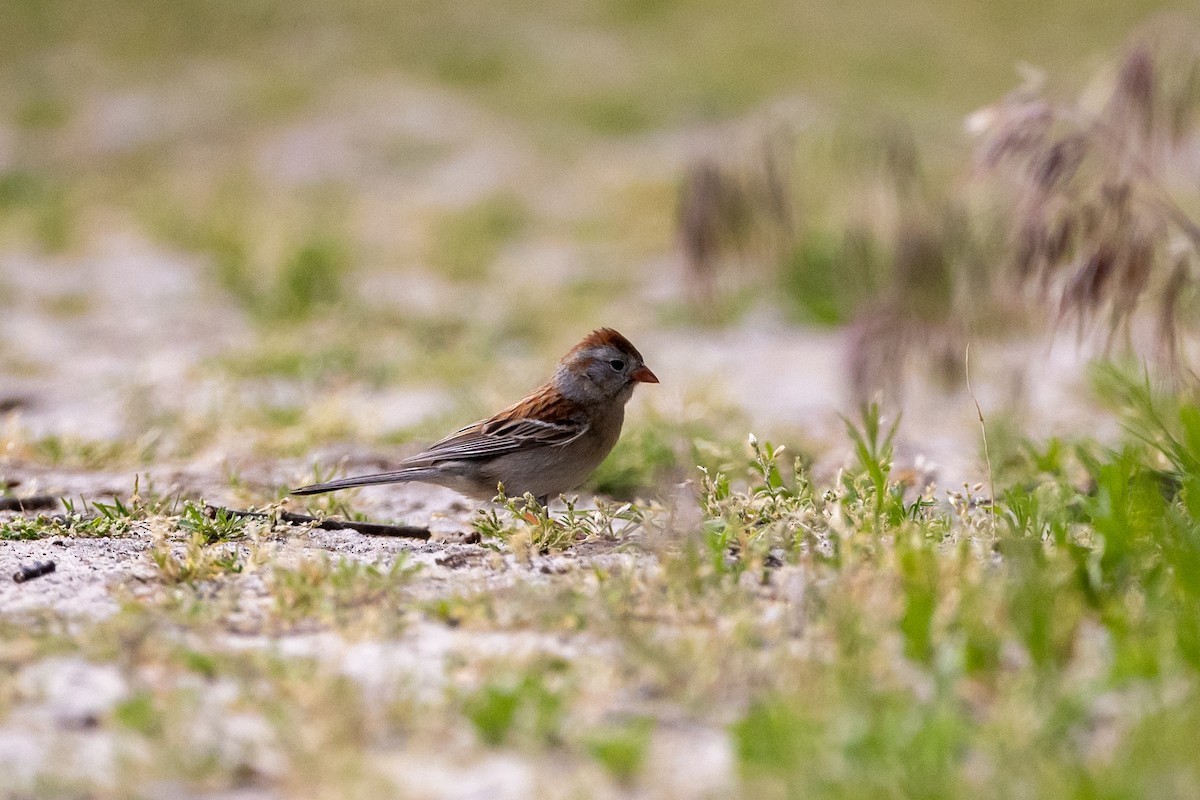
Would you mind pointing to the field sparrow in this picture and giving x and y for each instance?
(546, 444)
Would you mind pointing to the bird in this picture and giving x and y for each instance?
(544, 445)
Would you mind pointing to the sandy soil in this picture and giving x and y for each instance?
(151, 323)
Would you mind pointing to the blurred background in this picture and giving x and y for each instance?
(257, 232)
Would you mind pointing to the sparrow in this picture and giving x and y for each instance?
(543, 445)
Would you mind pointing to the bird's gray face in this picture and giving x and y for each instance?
(611, 373)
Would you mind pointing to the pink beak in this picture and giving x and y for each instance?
(643, 375)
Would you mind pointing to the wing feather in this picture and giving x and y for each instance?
(507, 432)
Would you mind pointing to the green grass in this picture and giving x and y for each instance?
(531, 705)
(321, 589)
(850, 637)
(529, 528)
(844, 635)
(95, 518)
(622, 749)
(1113, 565)
(309, 279)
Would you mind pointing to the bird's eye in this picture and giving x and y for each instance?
(617, 364)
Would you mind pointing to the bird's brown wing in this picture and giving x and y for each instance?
(545, 419)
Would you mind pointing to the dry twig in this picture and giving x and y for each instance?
(325, 523)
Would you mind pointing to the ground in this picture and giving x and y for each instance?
(242, 249)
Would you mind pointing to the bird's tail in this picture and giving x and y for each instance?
(397, 476)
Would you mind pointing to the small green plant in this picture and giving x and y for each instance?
(871, 484)
(198, 562)
(29, 528)
(311, 278)
(525, 524)
(88, 518)
(492, 710)
(532, 704)
(211, 524)
(336, 591)
(741, 528)
(139, 713)
(622, 749)
(772, 740)
(814, 272)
